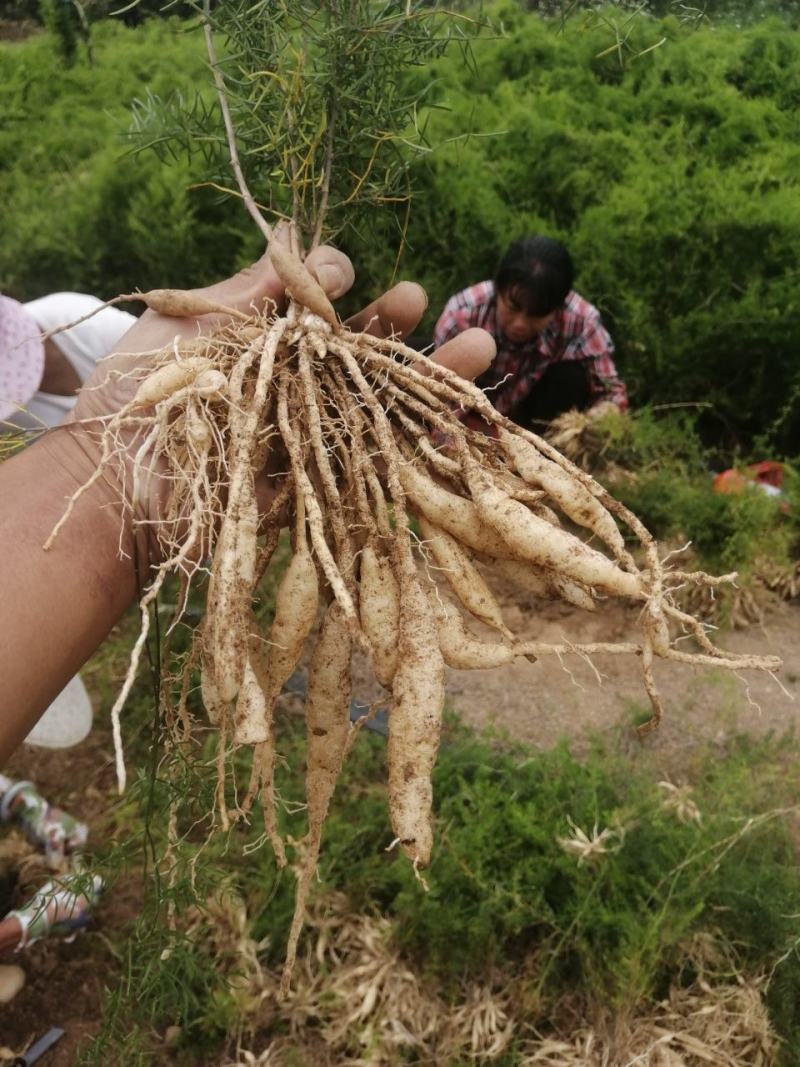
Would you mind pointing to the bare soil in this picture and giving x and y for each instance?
(536, 703)
(543, 702)
(12, 30)
(65, 983)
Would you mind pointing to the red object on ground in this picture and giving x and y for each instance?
(768, 472)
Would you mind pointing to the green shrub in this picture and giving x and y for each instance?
(670, 487)
(84, 213)
(504, 892)
(674, 180)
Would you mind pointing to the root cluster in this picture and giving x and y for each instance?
(385, 491)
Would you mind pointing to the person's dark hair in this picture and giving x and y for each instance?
(538, 272)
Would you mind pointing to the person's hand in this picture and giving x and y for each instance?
(107, 391)
(63, 602)
(397, 312)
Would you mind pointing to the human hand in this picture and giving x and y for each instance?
(114, 383)
(398, 311)
(64, 601)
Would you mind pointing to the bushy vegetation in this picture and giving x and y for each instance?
(738, 11)
(82, 212)
(673, 177)
(657, 463)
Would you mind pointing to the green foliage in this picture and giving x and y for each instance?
(500, 873)
(609, 933)
(741, 12)
(80, 211)
(670, 489)
(728, 531)
(318, 96)
(504, 891)
(673, 179)
(61, 19)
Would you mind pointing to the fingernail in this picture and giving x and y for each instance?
(331, 279)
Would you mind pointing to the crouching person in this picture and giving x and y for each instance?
(553, 352)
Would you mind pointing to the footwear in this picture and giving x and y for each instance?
(59, 909)
(55, 832)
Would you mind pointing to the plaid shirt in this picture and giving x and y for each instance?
(575, 332)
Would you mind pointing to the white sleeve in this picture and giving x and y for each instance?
(89, 341)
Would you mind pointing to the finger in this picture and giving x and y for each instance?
(247, 291)
(469, 353)
(396, 313)
(332, 269)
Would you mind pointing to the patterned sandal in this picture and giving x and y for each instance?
(60, 909)
(55, 832)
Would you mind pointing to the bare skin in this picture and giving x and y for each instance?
(59, 377)
(518, 325)
(10, 934)
(58, 606)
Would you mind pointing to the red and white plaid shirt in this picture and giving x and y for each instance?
(575, 332)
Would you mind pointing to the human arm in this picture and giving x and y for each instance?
(58, 606)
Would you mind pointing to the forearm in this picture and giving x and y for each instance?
(56, 606)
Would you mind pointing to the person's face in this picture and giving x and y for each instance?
(518, 325)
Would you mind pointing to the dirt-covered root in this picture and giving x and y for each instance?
(415, 723)
(360, 444)
(327, 727)
(379, 600)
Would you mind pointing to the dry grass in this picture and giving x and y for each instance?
(358, 1003)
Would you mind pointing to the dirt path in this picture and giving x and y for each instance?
(541, 702)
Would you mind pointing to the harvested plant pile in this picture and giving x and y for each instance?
(384, 489)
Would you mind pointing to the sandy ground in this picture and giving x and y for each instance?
(543, 702)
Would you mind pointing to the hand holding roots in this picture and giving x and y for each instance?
(363, 437)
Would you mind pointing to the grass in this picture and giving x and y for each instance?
(608, 935)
